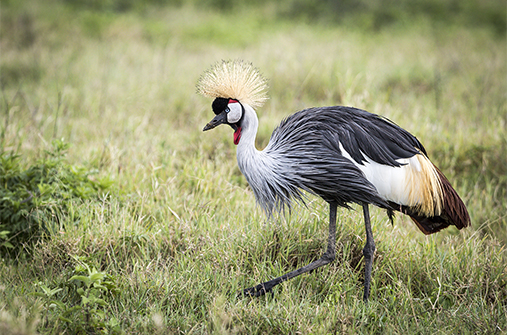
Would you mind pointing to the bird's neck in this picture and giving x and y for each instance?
(249, 126)
(264, 170)
(253, 163)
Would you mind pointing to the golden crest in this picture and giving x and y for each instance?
(235, 79)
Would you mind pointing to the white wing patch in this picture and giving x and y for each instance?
(414, 184)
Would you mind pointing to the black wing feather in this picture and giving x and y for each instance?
(361, 133)
(310, 140)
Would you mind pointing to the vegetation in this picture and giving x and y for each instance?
(39, 199)
(149, 227)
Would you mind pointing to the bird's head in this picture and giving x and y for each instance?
(228, 111)
(232, 84)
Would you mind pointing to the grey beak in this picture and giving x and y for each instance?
(217, 120)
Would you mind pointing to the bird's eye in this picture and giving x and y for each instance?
(227, 110)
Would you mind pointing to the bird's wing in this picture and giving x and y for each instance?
(362, 133)
(359, 132)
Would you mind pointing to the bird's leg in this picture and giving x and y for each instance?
(368, 251)
(328, 257)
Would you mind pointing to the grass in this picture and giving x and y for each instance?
(179, 230)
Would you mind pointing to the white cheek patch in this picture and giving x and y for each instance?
(235, 112)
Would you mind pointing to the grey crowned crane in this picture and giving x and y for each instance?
(342, 154)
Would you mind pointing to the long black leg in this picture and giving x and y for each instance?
(328, 257)
(368, 251)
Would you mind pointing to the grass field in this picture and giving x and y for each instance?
(172, 228)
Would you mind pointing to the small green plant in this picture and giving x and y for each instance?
(36, 199)
(48, 296)
(79, 304)
(4, 239)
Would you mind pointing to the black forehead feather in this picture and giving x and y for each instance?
(219, 105)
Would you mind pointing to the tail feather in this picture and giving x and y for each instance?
(430, 225)
(454, 208)
(453, 211)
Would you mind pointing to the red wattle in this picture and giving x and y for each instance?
(237, 135)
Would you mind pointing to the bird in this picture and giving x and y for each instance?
(342, 154)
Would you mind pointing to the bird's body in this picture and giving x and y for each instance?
(296, 160)
(342, 154)
(345, 155)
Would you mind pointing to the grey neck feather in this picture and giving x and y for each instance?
(266, 172)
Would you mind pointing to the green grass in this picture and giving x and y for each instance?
(179, 230)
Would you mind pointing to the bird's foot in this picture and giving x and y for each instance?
(255, 291)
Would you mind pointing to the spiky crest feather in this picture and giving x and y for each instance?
(234, 79)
